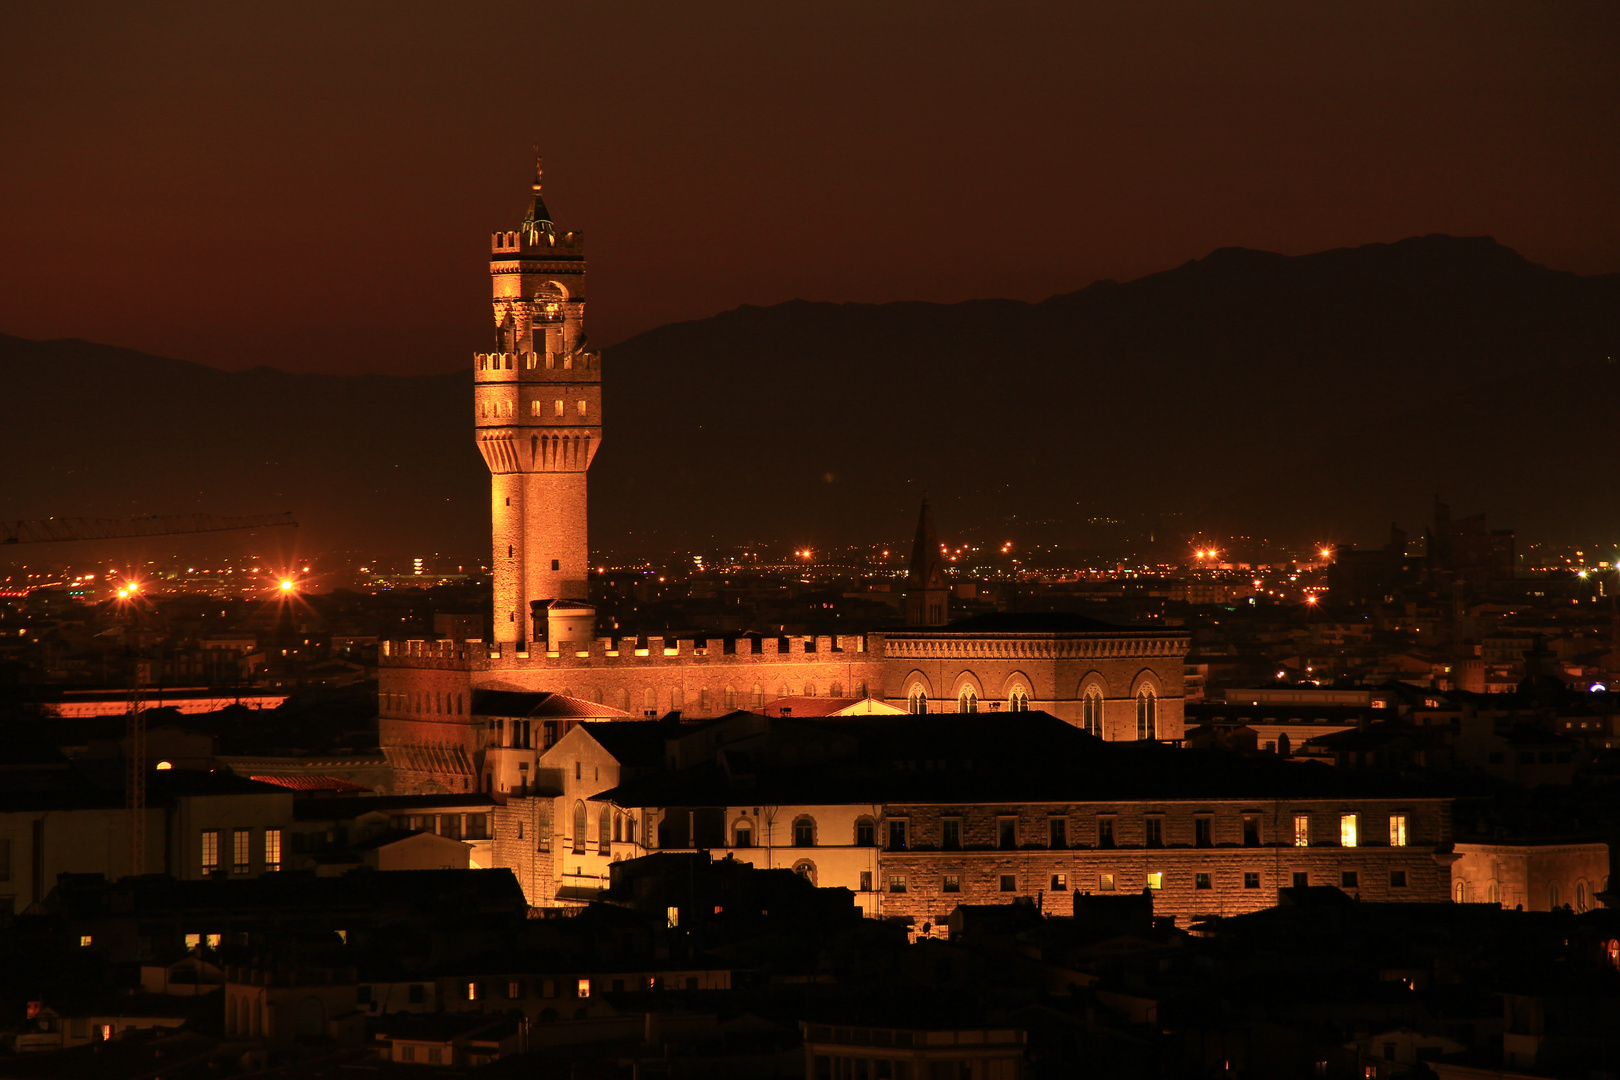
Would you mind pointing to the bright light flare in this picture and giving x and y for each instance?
(288, 585)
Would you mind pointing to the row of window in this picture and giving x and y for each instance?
(611, 828)
(1007, 835)
(241, 850)
(1464, 893)
(1091, 707)
(496, 409)
(1156, 880)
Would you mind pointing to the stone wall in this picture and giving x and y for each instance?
(1037, 871)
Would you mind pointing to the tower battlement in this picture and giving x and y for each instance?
(628, 652)
(506, 246)
(518, 367)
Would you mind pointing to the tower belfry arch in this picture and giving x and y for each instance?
(538, 421)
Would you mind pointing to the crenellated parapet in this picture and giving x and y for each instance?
(627, 652)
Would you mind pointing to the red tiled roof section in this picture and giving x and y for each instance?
(312, 783)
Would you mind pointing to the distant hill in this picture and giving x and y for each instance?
(1315, 397)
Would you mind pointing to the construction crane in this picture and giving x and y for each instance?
(53, 529)
(56, 529)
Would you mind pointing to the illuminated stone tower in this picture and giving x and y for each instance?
(538, 411)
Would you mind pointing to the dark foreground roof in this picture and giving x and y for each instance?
(998, 758)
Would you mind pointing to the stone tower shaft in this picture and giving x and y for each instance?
(537, 402)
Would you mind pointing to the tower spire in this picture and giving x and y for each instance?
(927, 592)
(539, 169)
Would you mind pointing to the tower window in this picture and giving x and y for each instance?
(556, 564)
(557, 408)
(583, 407)
(534, 407)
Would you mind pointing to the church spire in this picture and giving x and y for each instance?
(927, 592)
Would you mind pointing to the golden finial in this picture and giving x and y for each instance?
(539, 167)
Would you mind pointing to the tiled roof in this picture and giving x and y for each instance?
(311, 783)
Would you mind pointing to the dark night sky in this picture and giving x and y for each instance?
(311, 185)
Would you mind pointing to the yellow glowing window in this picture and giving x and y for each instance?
(534, 407)
(584, 988)
(213, 941)
(1347, 830)
(84, 941)
(1302, 830)
(582, 408)
(1155, 880)
(557, 408)
(193, 940)
(1397, 830)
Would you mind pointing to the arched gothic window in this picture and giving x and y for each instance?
(579, 827)
(917, 701)
(1018, 700)
(604, 831)
(1091, 712)
(1147, 714)
(968, 701)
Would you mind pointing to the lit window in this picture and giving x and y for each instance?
(210, 850)
(583, 408)
(1347, 830)
(583, 989)
(193, 940)
(473, 992)
(241, 850)
(162, 765)
(272, 849)
(1105, 883)
(1155, 880)
(557, 408)
(534, 407)
(1397, 830)
(1302, 830)
(1060, 882)
(84, 941)
(213, 940)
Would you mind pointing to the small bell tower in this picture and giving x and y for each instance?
(537, 404)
